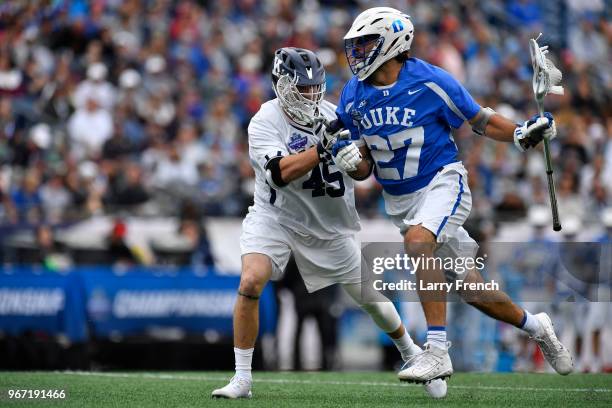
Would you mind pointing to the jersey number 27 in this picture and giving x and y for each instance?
(397, 156)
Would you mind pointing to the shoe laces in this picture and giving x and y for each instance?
(412, 359)
(421, 359)
(549, 344)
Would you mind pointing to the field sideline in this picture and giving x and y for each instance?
(315, 389)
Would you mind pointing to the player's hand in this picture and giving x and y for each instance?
(333, 132)
(346, 155)
(533, 131)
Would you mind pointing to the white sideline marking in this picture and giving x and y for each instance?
(315, 382)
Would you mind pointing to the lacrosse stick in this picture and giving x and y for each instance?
(343, 135)
(546, 79)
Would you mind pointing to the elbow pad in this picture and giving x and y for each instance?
(480, 125)
(273, 172)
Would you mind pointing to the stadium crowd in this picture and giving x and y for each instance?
(138, 105)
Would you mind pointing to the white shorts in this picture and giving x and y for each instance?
(442, 207)
(321, 262)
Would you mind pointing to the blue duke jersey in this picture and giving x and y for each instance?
(407, 125)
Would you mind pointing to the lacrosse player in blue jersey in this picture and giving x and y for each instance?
(400, 111)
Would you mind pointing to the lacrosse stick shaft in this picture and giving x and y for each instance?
(549, 176)
(546, 79)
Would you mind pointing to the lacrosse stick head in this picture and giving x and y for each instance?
(546, 76)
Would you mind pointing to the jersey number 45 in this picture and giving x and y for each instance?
(320, 182)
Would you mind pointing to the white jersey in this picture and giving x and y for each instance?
(322, 202)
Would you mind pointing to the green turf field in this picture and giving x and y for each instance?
(362, 389)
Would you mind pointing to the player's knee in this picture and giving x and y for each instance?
(419, 241)
(251, 285)
(252, 280)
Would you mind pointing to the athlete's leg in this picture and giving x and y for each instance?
(384, 315)
(497, 304)
(494, 303)
(420, 242)
(256, 272)
(434, 363)
(387, 318)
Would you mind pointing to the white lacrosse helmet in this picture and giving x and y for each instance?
(377, 35)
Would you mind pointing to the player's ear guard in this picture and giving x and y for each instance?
(273, 172)
(483, 117)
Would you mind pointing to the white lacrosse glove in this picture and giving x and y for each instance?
(533, 131)
(346, 155)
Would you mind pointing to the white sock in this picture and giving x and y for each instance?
(436, 336)
(406, 346)
(243, 359)
(530, 324)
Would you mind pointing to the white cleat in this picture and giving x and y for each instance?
(238, 387)
(557, 355)
(436, 388)
(433, 363)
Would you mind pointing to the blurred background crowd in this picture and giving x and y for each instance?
(139, 108)
(139, 105)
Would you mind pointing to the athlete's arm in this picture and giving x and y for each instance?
(294, 166)
(498, 127)
(364, 168)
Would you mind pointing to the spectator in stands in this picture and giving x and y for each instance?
(119, 252)
(8, 214)
(126, 187)
(55, 198)
(50, 253)
(118, 146)
(172, 170)
(27, 200)
(89, 127)
(195, 233)
(96, 87)
(588, 45)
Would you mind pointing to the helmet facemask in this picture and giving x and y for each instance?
(301, 103)
(362, 51)
(377, 35)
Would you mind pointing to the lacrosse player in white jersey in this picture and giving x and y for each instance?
(400, 111)
(303, 205)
